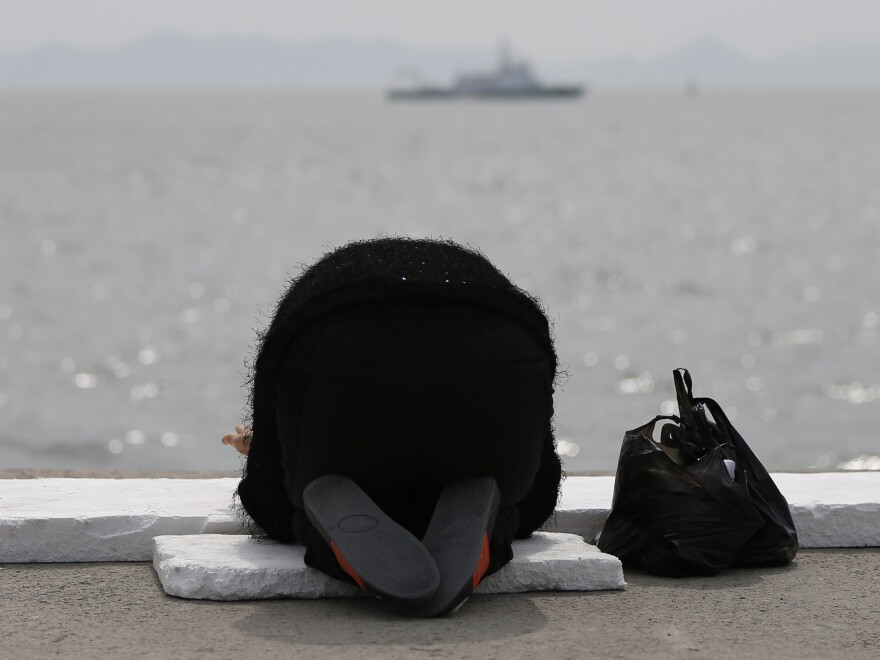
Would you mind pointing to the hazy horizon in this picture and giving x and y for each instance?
(174, 59)
(489, 45)
(560, 31)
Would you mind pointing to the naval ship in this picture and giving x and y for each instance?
(510, 79)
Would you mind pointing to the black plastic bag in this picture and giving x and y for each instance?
(697, 501)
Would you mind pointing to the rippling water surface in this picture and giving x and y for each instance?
(145, 238)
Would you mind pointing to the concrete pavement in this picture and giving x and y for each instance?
(825, 605)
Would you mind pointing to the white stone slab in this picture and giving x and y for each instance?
(830, 509)
(51, 520)
(116, 519)
(223, 567)
(555, 562)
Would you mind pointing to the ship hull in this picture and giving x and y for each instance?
(441, 94)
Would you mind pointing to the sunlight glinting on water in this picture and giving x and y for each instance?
(863, 462)
(659, 231)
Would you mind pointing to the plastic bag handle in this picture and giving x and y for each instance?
(671, 418)
(653, 422)
(684, 395)
(686, 375)
(715, 408)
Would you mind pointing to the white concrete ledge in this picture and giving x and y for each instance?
(834, 509)
(50, 520)
(583, 507)
(830, 509)
(219, 567)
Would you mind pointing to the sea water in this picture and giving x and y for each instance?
(146, 236)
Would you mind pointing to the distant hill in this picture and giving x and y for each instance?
(171, 59)
(174, 60)
(714, 64)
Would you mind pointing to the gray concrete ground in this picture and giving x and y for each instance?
(826, 605)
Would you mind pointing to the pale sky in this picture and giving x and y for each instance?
(556, 30)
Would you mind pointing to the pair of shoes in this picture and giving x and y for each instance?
(425, 578)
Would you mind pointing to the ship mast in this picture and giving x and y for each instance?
(505, 57)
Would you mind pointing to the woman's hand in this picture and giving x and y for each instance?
(241, 439)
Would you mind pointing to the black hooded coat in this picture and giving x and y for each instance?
(385, 270)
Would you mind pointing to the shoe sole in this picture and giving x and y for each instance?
(382, 557)
(458, 540)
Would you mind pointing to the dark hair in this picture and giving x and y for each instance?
(381, 270)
